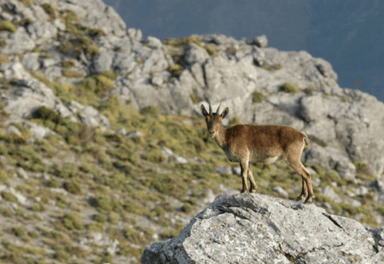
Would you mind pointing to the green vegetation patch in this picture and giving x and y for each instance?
(27, 3)
(317, 141)
(363, 172)
(6, 25)
(50, 10)
(8, 197)
(257, 97)
(73, 186)
(290, 88)
(72, 221)
(211, 50)
(97, 84)
(107, 203)
(176, 70)
(194, 98)
(81, 40)
(65, 171)
(72, 73)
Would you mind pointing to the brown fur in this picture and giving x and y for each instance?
(248, 144)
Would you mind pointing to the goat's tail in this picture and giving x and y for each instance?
(306, 140)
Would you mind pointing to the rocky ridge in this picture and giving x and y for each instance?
(178, 76)
(254, 228)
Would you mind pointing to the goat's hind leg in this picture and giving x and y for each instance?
(252, 180)
(244, 174)
(303, 193)
(306, 180)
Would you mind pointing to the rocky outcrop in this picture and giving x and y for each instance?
(215, 67)
(255, 228)
(212, 67)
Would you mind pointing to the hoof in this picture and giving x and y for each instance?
(300, 198)
(308, 201)
(252, 191)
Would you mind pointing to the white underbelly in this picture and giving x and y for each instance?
(271, 159)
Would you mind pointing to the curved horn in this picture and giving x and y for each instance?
(218, 109)
(210, 107)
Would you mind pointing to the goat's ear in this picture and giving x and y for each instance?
(225, 112)
(205, 113)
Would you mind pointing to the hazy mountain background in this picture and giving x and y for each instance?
(349, 34)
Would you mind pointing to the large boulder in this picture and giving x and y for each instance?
(255, 228)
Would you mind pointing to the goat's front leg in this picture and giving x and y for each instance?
(244, 174)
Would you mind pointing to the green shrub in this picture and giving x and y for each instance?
(18, 231)
(111, 74)
(154, 155)
(96, 32)
(176, 70)
(72, 221)
(33, 235)
(187, 208)
(194, 98)
(49, 115)
(152, 111)
(6, 212)
(27, 2)
(3, 43)
(37, 207)
(319, 170)
(318, 141)
(363, 172)
(309, 90)
(4, 176)
(8, 197)
(52, 183)
(61, 255)
(66, 171)
(73, 187)
(257, 97)
(277, 66)
(71, 73)
(113, 217)
(188, 40)
(68, 64)
(101, 218)
(103, 203)
(234, 121)
(6, 25)
(97, 84)
(211, 50)
(95, 227)
(169, 233)
(50, 10)
(290, 88)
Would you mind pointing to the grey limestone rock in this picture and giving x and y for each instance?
(261, 41)
(103, 62)
(41, 31)
(255, 228)
(135, 34)
(18, 42)
(195, 54)
(30, 61)
(154, 43)
(313, 108)
(330, 158)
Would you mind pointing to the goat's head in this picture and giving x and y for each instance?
(213, 120)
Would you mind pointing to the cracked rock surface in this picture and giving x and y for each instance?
(256, 228)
